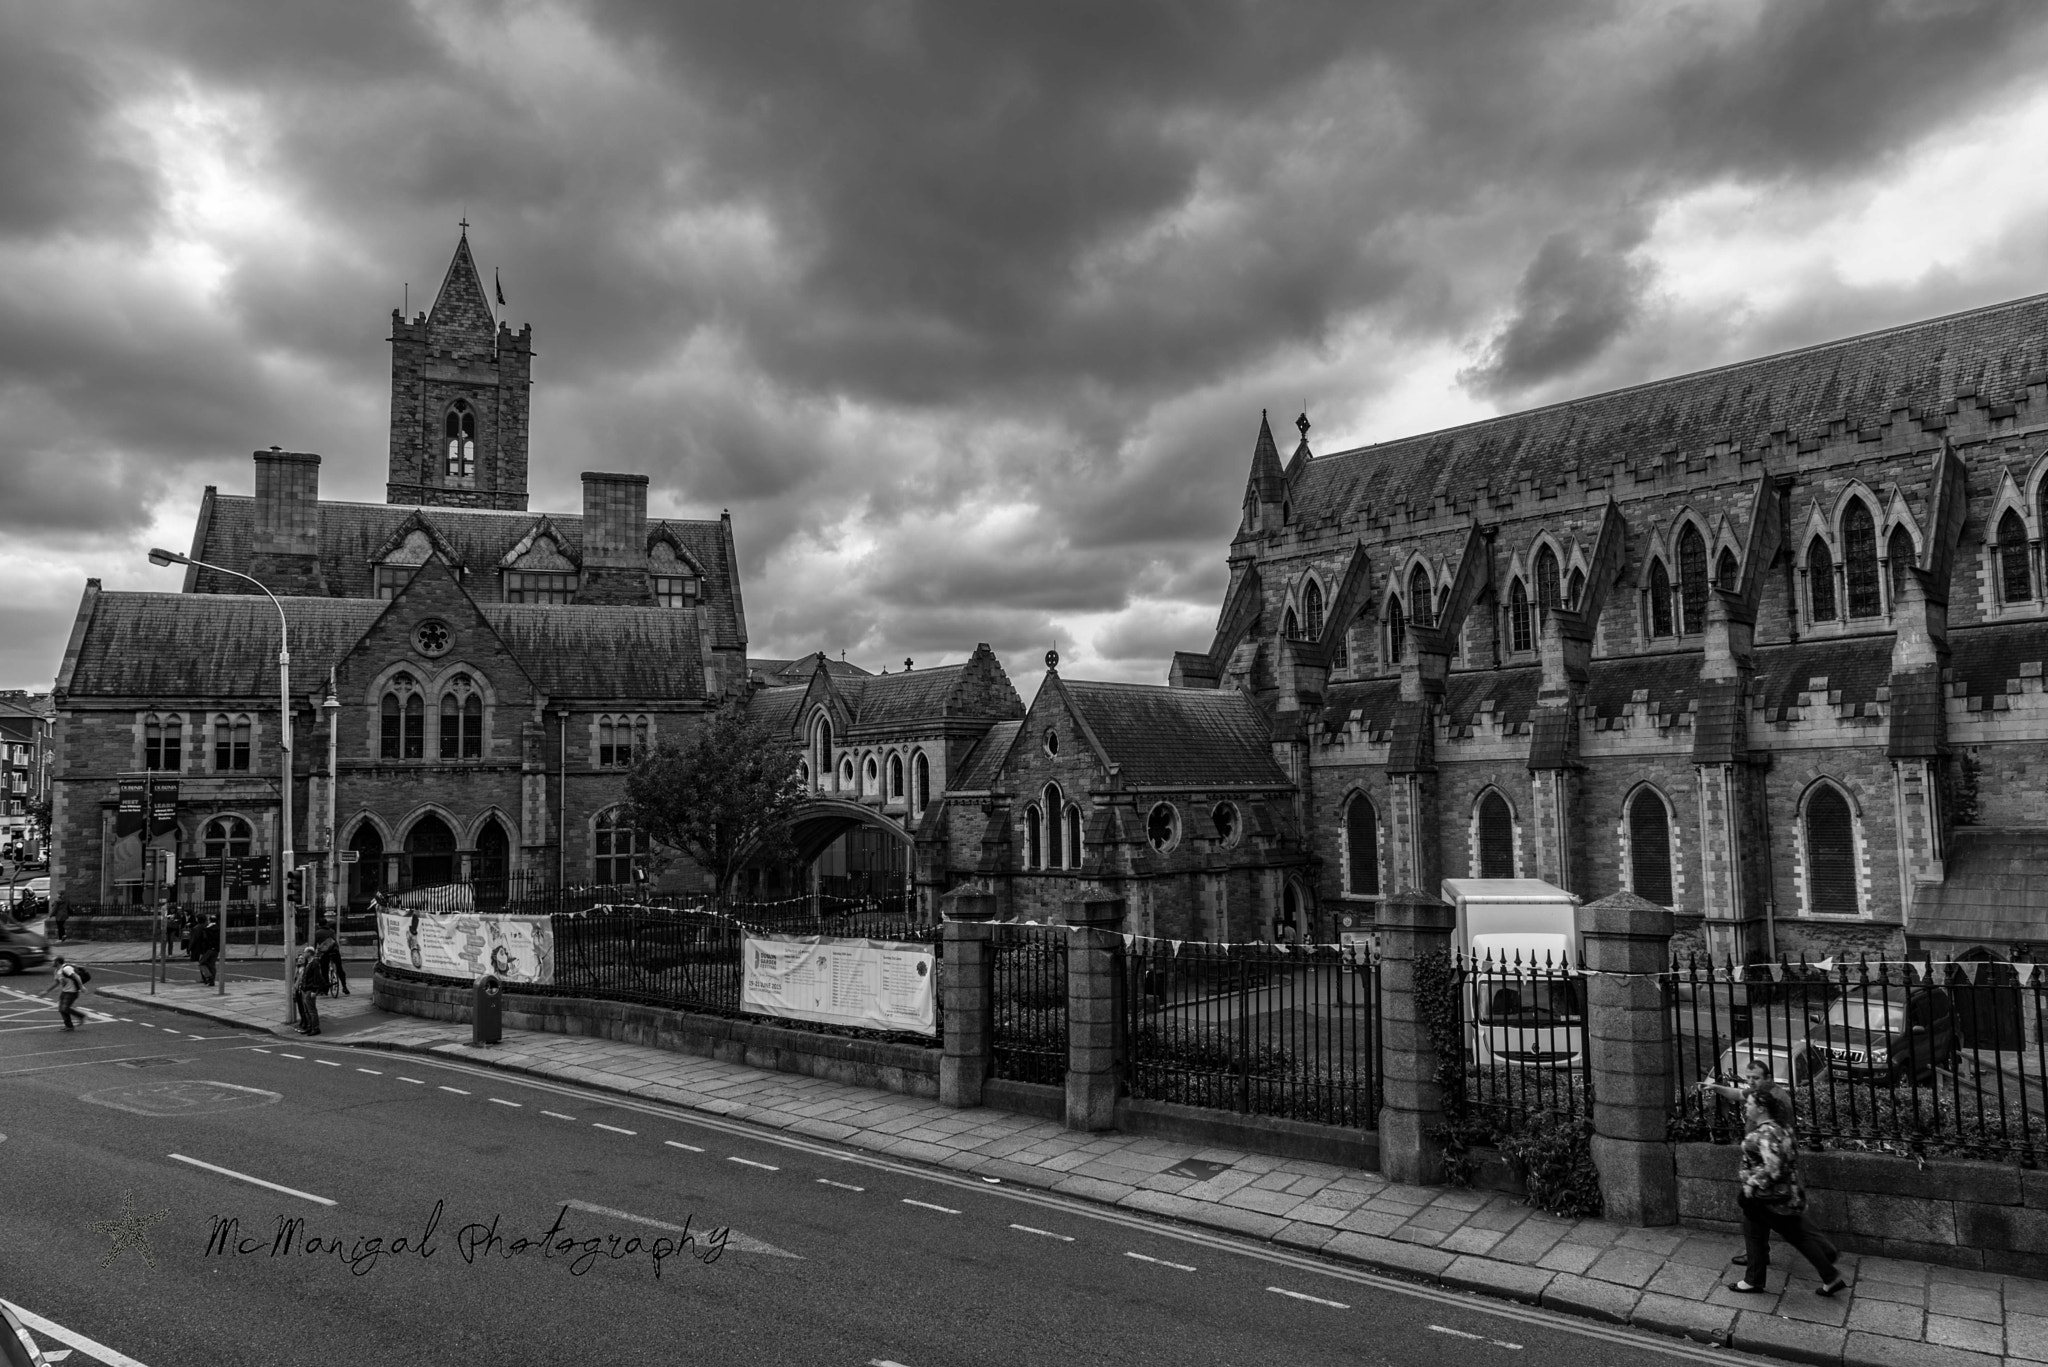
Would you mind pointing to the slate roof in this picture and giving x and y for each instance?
(1997, 881)
(1925, 367)
(352, 535)
(800, 670)
(178, 645)
(978, 770)
(1858, 666)
(1985, 660)
(778, 706)
(594, 652)
(1366, 702)
(1178, 737)
(897, 699)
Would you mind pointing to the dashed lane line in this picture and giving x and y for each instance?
(679, 1144)
(328, 1061)
(253, 1181)
(500, 1101)
(371, 1071)
(457, 1090)
(843, 1186)
(558, 1115)
(748, 1162)
(600, 1125)
(1304, 1296)
(1148, 1258)
(943, 1210)
(1044, 1233)
(1462, 1334)
(282, 1054)
(413, 1080)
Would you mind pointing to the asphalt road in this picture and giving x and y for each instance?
(800, 1252)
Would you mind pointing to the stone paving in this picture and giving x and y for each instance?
(250, 1005)
(1673, 1281)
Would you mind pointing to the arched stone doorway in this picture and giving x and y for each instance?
(430, 852)
(491, 870)
(366, 875)
(844, 855)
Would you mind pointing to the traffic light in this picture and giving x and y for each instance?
(295, 885)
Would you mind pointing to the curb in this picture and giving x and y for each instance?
(217, 1017)
(1602, 1302)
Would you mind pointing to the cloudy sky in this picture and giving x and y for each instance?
(967, 312)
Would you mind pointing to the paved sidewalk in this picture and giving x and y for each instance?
(137, 952)
(250, 1005)
(1668, 1280)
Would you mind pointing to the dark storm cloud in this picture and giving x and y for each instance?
(856, 269)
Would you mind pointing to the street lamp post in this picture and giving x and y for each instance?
(331, 705)
(158, 556)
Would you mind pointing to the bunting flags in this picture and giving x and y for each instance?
(1176, 946)
(1970, 967)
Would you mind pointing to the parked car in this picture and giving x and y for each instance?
(1791, 1061)
(21, 948)
(1870, 1036)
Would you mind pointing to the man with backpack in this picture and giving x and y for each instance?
(310, 982)
(69, 981)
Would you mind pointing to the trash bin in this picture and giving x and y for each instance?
(487, 1013)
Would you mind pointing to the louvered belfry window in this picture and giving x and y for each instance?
(1692, 581)
(1830, 855)
(1649, 848)
(1496, 837)
(2016, 581)
(1362, 846)
(1859, 561)
(1820, 580)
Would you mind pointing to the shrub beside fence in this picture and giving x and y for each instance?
(1884, 1056)
(1271, 1030)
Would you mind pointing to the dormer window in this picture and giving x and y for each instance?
(675, 591)
(527, 586)
(459, 429)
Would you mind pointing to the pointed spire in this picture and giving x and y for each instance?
(1268, 480)
(461, 319)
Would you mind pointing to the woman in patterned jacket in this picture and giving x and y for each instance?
(1772, 1198)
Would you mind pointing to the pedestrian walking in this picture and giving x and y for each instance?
(60, 912)
(309, 981)
(330, 959)
(1772, 1199)
(67, 983)
(206, 949)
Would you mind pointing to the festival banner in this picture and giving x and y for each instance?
(878, 984)
(517, 949)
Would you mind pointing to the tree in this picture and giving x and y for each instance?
(723, 797)
(38, 810)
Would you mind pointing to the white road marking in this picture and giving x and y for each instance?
(413, 1080)
(1304, 1296)
(500, 1101)
(600, 1125)
(883, 1362)
(329, 1062)
(1045, 1233)
(843, 1186)
(1146, 1258)
(111, 1357)
(259, 1049)
(371, 1071)
(943, 1210)
(254, 1181)
(558, 1115)
(678, 1144)
(1455, 1333)
(748, 1162)
(457, 1090)
(300, 1057)
(733, 1238)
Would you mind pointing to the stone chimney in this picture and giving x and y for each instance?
(285, 547)
(614, 541)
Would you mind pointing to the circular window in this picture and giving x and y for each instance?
(846, 773)
(1162, 828)
(432, 637)
(1227, 824)
(1052, 741)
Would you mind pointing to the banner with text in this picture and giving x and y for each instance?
(877, 984)
(519, 949)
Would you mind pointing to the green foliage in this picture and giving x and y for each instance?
(721, 797)
(1553, 1155)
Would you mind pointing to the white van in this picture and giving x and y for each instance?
(1517, 937)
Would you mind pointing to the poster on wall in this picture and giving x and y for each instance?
(877, 984)
(518, 949)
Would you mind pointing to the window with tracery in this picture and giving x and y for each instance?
(462, 719)
(1421, 601)
(1521, 632)
(225, 837)
(1312, 611)
(1692, 581)
(231, 743)
(2015, 576)
(163, 742)
(617, 846)
(1549, 592)
(402, 719)
(1660, 600)
(1820, 580)
(621, 740)
(459, 430)
(1859, 561)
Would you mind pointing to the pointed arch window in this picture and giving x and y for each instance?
(1660, 600)
(1521, 633)
(163, 742)
(1312, 611)
(1073, 837)
(462, 719)
(1829, 831)
(1859, 561)
(1397, 631)
(1496, 837)
(1820, 580)
(1055, 803)
(1361, 847)
(1549, 593)
(458, 430)
(1421, 601)
(1034, 839)
(231, 743)
(1726, 570)
(2015, 576)
(617, 846)
(1649, 847)
(1692, 581)
(1291, 625)
(1575, 589)
(895, 778)
(403, 717)
(225, 837)
(921, 781)
(1899, 559)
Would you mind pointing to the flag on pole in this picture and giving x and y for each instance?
(498, 285)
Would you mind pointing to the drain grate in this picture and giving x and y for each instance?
(1201, 1169)
(150, 1061)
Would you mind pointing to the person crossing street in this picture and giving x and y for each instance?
(68, 982)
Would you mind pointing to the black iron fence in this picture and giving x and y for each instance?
(1027, 968)
(1909, 1058)
(1287, 1031)
(1523, 1020)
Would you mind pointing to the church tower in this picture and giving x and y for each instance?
(459, 399)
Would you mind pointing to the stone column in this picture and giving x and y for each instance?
(969, 1029)
(1411, 925)
(1094, 996)
(1627, 943)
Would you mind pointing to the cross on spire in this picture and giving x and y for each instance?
(465, 225)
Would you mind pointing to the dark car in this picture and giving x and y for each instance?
(21, 947)
(1875, 1036)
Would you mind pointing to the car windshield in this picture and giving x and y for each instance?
(1862, 1013)
(1531, 1003)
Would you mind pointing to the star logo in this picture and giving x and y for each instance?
(130, 1231)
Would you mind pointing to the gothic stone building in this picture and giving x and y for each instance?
(1763, 644)
(495, 669)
